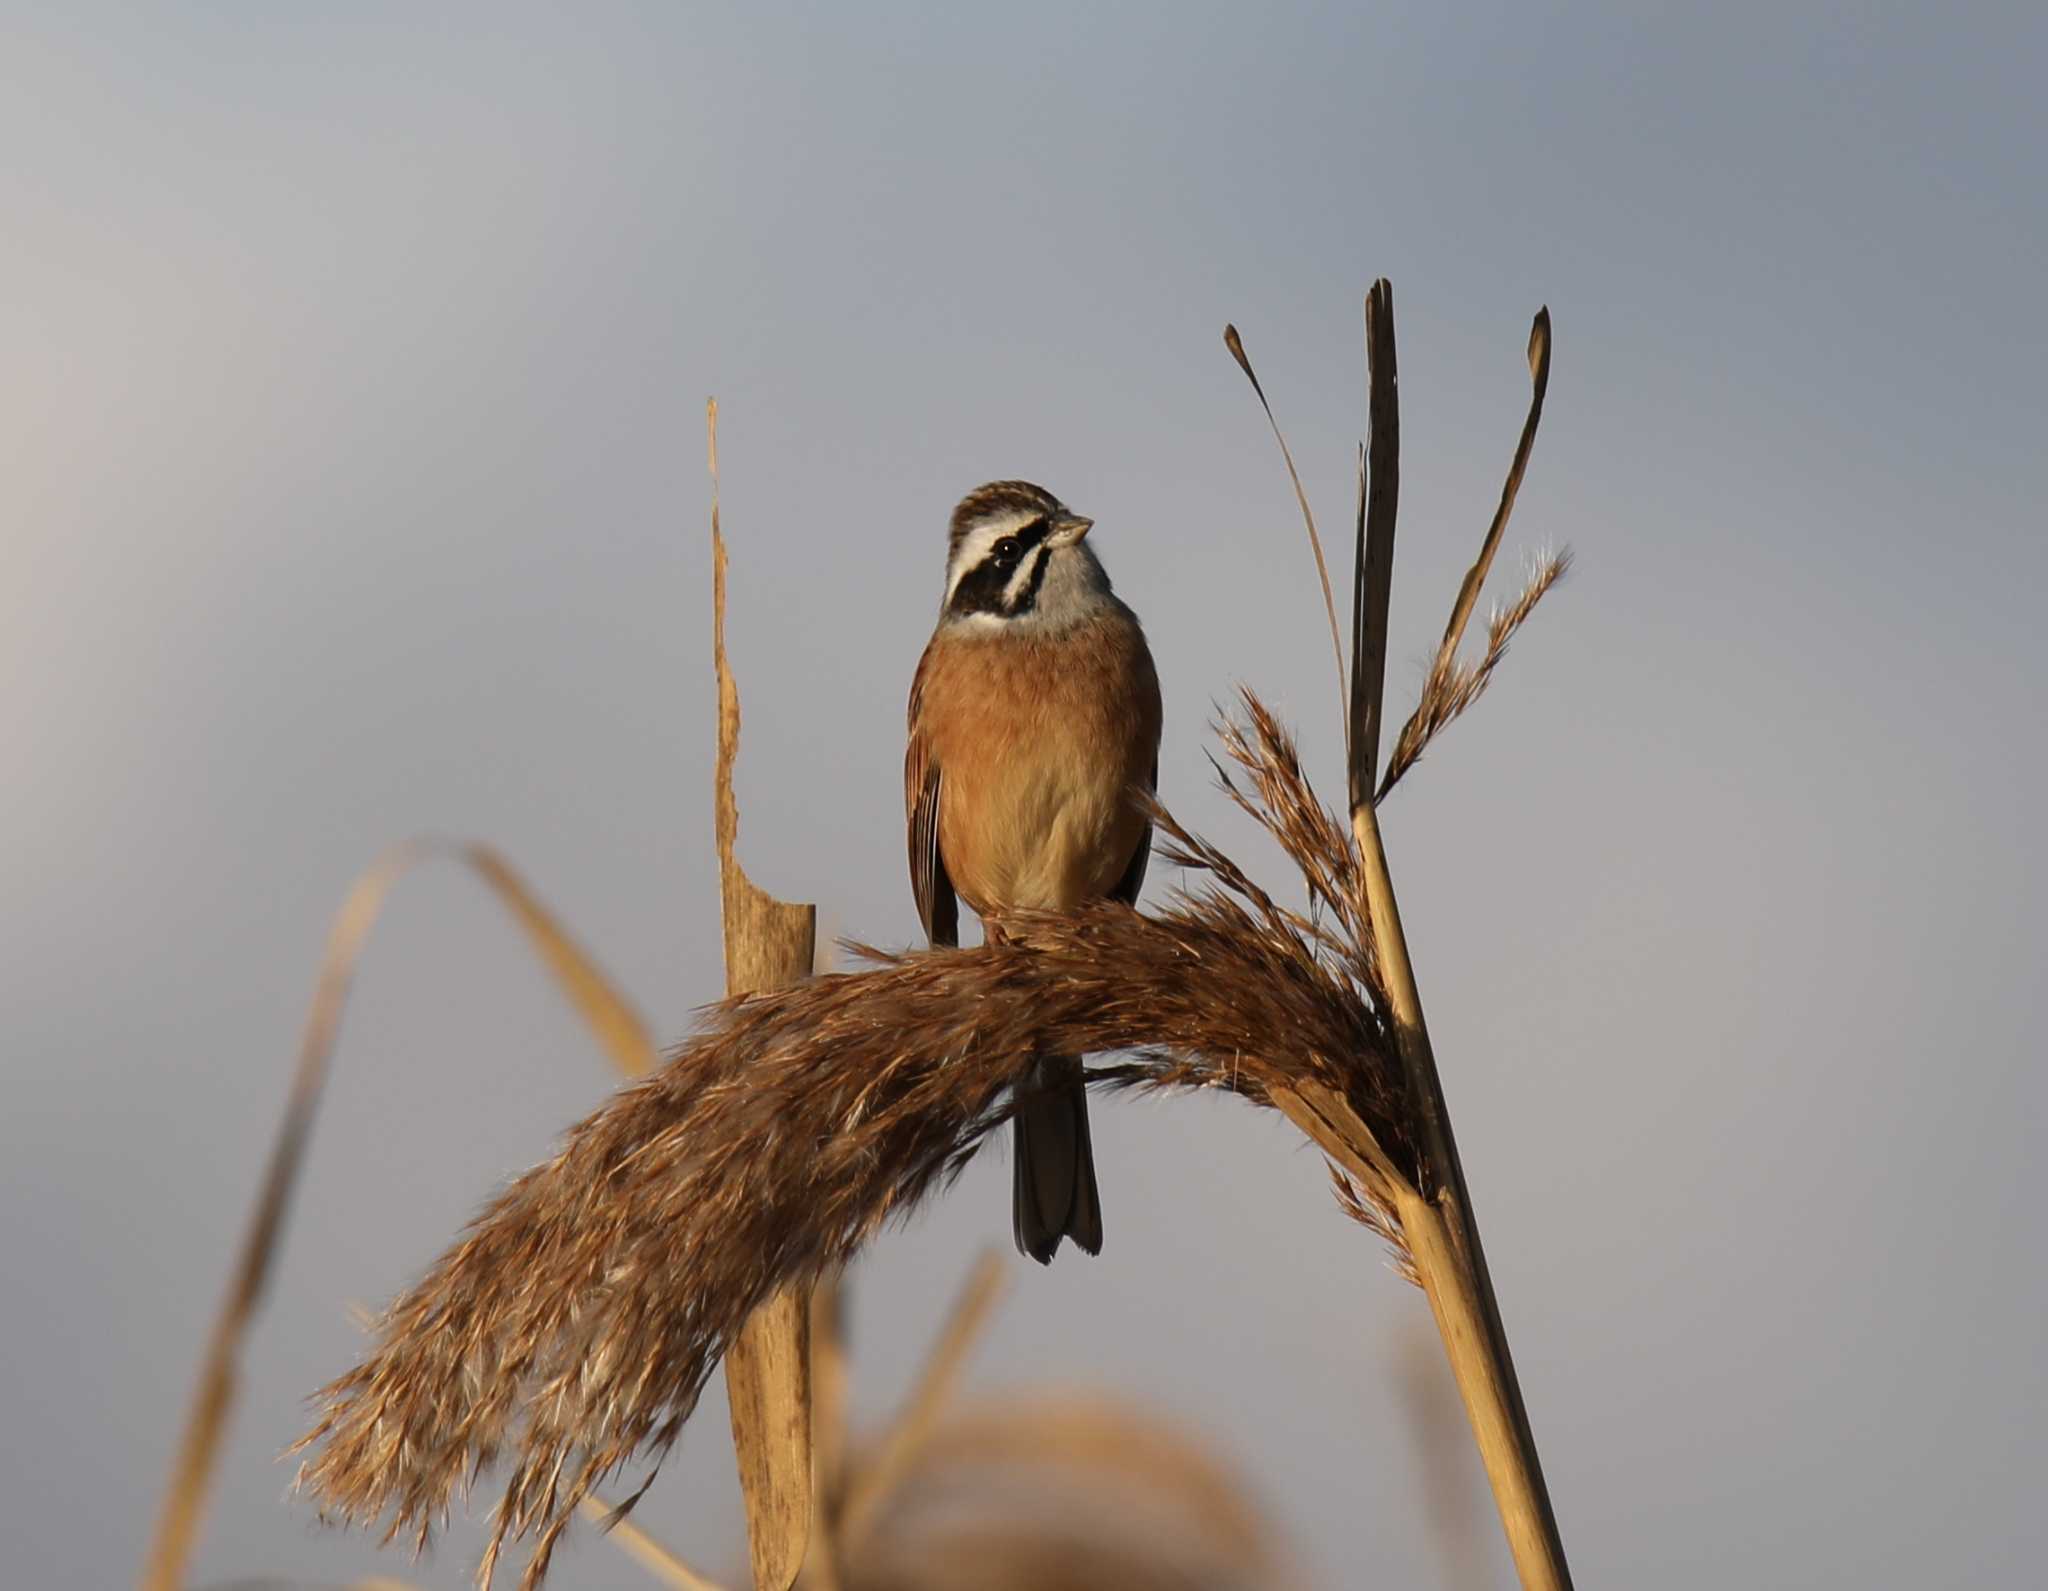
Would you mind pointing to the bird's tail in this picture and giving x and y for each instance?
(1055, 1194)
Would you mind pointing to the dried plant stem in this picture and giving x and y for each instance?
(769, 944)
(615, 1022)
(1372, 570)
(643, 1549)
(767, 1384)
(1434, 1211)
(828, 1430)
(901, 1445)
(1475, 577)
(1443, 1239)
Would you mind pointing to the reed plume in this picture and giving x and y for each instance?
(572, 1328)
(1453, 686)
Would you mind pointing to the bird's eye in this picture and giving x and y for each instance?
(1006, 550)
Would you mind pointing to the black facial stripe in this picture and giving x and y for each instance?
(1029, 536)
(981, 588)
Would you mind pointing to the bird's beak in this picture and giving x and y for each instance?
(1072, 529)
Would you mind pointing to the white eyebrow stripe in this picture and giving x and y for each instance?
(1023, 576)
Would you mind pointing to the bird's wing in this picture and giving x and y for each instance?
(938, 908)
(1127, 887)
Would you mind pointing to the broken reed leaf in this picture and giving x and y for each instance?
(573, 1327)
(892, 1455)
(1446, 696)
(1475, 577)
(1372, 574)
(769, 944)
(611, 1017)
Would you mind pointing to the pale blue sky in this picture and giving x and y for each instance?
(351, 370)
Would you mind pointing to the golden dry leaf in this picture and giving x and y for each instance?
(610, 1016)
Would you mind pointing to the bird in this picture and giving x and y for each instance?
(1034, 723)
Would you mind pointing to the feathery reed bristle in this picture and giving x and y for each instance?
(574, 1325)
(1451, 687)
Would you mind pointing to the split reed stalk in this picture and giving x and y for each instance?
(769, 944)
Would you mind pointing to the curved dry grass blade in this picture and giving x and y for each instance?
(643, 1549)
(1047, 1490)
(611, 1018)
(573, 1327)
(769, 944)
(1446, 696)
(1444, 675)
(177, 1525)
(1372, 573)
(1475, 577)
(897, 1451)
(1235, 344)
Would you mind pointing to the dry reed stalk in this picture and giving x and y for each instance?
(1437, 1430)
(1433, 1211)
(575, 1324)
(643, 1549)
(769, 944)
(829, 1380)
(607, 1012)
(1437, 1212)
(892, 1457)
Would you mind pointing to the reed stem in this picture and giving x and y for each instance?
(1449, 1259)
(769, 944)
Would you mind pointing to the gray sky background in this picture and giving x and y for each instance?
(351, 372)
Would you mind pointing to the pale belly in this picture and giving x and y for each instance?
(1053, 832)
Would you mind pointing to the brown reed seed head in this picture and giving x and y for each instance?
(573, 1326)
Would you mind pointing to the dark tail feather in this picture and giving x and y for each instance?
(1055, 1194)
